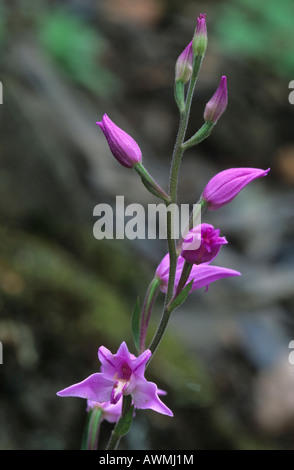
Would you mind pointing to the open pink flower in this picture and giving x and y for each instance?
(202, 244)
(124, 148)
(224, 186)
(122, 374)
(203, 274)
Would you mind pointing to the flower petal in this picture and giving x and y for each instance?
(95, 387)
(107, 361)
(224, 186)
(140, 363)
(117, 391)
(162, 271)
(145, 397)
(123, 352)
(110, 412)
(163, 267)
(202, 244)
(205, 274)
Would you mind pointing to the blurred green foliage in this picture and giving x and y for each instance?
(260, 30)
(77, 49)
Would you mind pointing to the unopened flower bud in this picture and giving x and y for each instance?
(124, 148)
(202, 244)
(200, 37)
(224, 186)
(184, 64)
(216, 106)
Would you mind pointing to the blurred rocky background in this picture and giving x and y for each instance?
(225, 360)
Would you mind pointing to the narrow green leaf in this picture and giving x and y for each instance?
(181, 297)
(136, 324)
(123, 425)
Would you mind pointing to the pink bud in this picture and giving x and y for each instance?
(184, 64)
(200, 36)
(202, 244)
(224, 186)
(121, 144)
(216, 106)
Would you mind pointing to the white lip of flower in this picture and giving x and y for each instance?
(119, 387)
(122, 385)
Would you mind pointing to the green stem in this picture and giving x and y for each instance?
(184, 276)
(173, 186)
(113, 441)
(169, 308)
(122, 426)
(160, 331)
(174, 174)
(150, 297)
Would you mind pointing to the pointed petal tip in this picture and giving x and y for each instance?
(123, 350)
(62, 393)
(232, 272)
